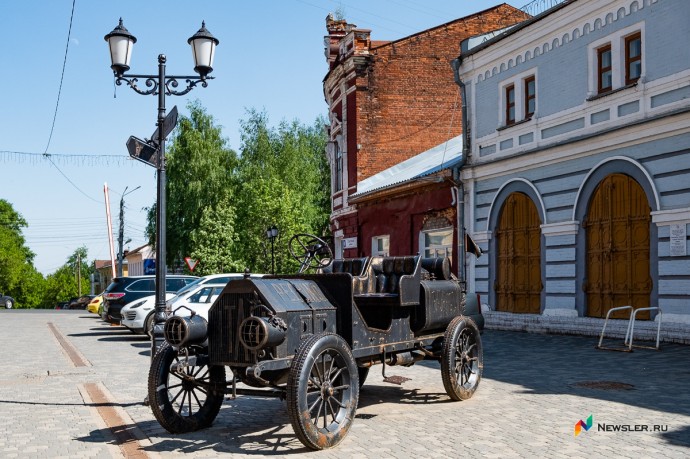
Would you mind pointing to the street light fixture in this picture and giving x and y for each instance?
(203, 44)
(272, 234)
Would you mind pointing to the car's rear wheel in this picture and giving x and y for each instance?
(462, 360)
(322, 391)
(9, 304)
(184, 398)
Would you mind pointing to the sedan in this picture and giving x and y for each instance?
(7, 301)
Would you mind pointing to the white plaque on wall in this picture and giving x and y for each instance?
(350, 243)
(678, 238)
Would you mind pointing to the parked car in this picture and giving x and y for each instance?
(138, 315)
(61, 305)
(80, 302)
(95, 304)
(123, 290)
(7, 301)
(211, 278)
(310, 339)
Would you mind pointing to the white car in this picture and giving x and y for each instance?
(199, 302)
(138, 315)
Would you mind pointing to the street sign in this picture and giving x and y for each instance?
(191, 264)
(142, 151)
(169, 124)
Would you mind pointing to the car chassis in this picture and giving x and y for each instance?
(311, 339)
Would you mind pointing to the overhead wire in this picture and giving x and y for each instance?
(57, 105)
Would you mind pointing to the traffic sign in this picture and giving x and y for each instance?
(169, 124)
(142, 151)
(191, 264)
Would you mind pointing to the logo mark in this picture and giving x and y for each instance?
(582, 425)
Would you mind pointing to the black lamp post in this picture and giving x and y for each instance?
(203, 46)
(272, 234)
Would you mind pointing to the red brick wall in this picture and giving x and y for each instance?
(406, 104)
(402, 218)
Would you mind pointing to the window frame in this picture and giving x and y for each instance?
(338, 170)
(507, 90)
(619, 77)
(629, 60)
(448, 248)
(375, 252)
(530, 97)
(601, 70)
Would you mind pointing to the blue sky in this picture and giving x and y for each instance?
(270, 57)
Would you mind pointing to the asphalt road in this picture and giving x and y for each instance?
(72, 386)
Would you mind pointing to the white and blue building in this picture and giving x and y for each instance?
(577, 171)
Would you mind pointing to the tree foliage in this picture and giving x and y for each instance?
(17, 273)
(63, 284)
(219, 205)
(284, 181)
(199, 168)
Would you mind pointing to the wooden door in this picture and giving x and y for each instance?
(617, 231)
(518, 238)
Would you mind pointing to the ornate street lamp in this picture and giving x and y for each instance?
(271, 235)
(203, 44)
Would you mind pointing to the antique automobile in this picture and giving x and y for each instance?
(311, 339)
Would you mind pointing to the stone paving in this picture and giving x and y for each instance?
(535, 389)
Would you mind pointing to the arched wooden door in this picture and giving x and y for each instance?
(617, 230)
(518, 238)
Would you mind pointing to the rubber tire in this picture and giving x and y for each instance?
(458, 328)
(312, 436)
(159, 398)
(9, 304)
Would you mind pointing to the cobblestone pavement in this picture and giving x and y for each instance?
(534, 390)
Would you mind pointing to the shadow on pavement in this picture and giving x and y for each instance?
(94, 405)
(556, 364)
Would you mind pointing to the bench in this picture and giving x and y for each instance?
(391, 281)
(356, 267)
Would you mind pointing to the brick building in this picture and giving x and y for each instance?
(390, 102)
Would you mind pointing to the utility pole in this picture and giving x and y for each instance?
(121, 235)
(79, 273)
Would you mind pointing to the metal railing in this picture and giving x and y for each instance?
(628, 340)
(536, 7)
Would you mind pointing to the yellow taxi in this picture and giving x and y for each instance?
(95, 303)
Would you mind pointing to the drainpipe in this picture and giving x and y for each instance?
(459, 188)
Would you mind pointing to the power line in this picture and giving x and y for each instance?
(62, 77)
(57, 105)
(68, 158)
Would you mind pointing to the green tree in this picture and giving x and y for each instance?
(283, 181)
(214, 240)
(200, 170)
(18, 277)
(63, 284)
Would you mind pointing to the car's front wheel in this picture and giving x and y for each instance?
(185, 398)
(462, 360)
(9, 304)
(322, 391)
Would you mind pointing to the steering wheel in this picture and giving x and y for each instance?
(311, 251)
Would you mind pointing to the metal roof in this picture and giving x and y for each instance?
(438, 158)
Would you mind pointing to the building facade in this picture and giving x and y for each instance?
(578, 168)
(389, 102)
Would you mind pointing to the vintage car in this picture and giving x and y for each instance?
(311, 339)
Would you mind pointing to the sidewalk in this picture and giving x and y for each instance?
(535, 389)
